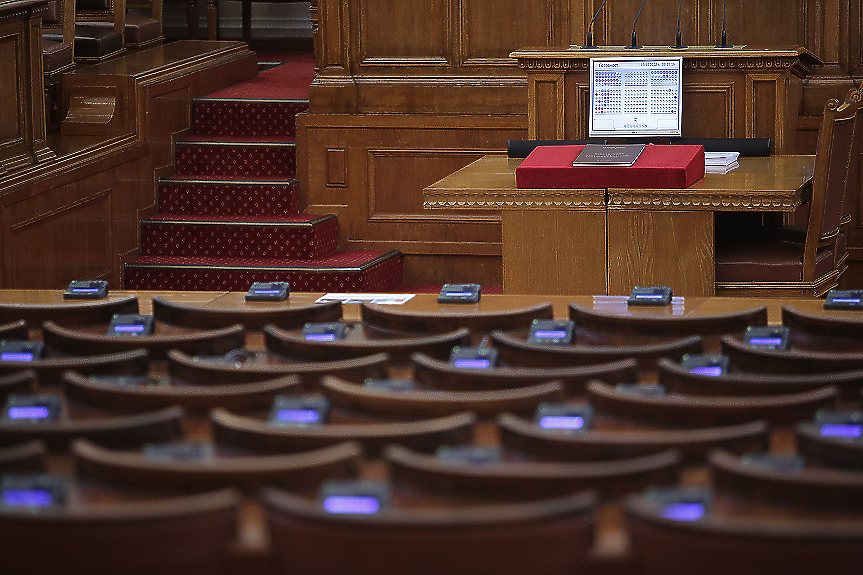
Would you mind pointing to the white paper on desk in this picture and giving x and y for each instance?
(379, 298)
(720, 158)
(720, 169)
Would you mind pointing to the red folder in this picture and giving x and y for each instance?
(658, 167)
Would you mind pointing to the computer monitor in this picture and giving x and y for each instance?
(635, 96)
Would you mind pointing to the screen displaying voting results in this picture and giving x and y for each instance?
(635, 96)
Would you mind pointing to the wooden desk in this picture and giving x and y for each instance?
(593, 242)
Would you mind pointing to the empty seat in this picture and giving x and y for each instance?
(425, 403)
(814, 488)
(149, 395)
(187, 535)
(791, 361)
(444, 375)
(21, 382)
(362, 342)
(846, 453)
(441, 320)
(74, 342)
(249, 472)
(719, 545)
(50, 369)
(69, 313)
(518, 351)
(284, 315)
(260, 435)
(676, 378)
(531, 479)
(112, 431)
(547, 536)
(698, 410)
(209, 371)
(597, 445)
(823, 332)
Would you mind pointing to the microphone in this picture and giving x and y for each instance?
(679, 43)
(723, 41)
(588, 44)
(637, 16)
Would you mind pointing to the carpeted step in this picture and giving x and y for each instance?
(216, 196)
(303, 236)
(238, 157)
(218, 117)
(360, 271)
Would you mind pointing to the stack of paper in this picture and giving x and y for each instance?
(720, 158)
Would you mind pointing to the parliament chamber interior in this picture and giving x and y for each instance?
(348, 287)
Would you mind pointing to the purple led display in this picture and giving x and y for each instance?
(648, 296)
(267, 291)
(298, 415)
(561, 422)
(472, 362)
(29, 412)
(129, 328)
(845, 300)
(458, 294)
(684, 511)
(321, 336)
(766, 341)
(549, 334)
(707, 370)
(355, 504)
(27, 498)
(85, 290)
(844, 430)
(16, 356)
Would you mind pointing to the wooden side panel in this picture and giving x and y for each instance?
(398, 33)
(487, 39)
(641, 244)
(709, 109)
(77, 236)
(11, 116)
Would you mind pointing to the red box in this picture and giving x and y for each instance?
(658, 167)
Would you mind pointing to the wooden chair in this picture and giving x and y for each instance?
(187, 535)
(50, 370)
(546, 536)
(789, 361)
(598, 445)
(282, 315)
(823, 332)
(421, 404)
(259, 435)
(294, 471)
(443, 375)
(69, 314)
(58, 48)
(28, 457)
(677, 379)
(99, 29)
(115, 431)
(530, 479)
(144, 31)
(203, 371)
(665, 327)
(764, 262)
(814, 488)
(210, 342)
(709, 411)
(22, 382)
(831, 451)
(518, 351)
(719, 545)
(363, 341)
(15, 330)
(241, 397)
(477, 321)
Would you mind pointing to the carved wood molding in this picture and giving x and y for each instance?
(583, 200)
(578, 60)
(668, 200)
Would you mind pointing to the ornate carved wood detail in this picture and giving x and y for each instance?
(663, 200)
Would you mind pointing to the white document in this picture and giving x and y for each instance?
(720, 158)
(380, 298)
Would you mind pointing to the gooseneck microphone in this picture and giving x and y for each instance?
(679, 43)
(588, 44)
(637, 16)
(723, 41)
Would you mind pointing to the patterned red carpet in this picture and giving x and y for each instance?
(228, 217)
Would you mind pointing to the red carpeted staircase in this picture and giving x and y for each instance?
(228, 217)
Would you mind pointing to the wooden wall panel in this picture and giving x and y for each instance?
(657, 25)
(482, 28)
(78, 237)
(398, 33)
(11, 116)
(716, 97)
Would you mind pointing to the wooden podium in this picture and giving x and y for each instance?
(743, 92)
